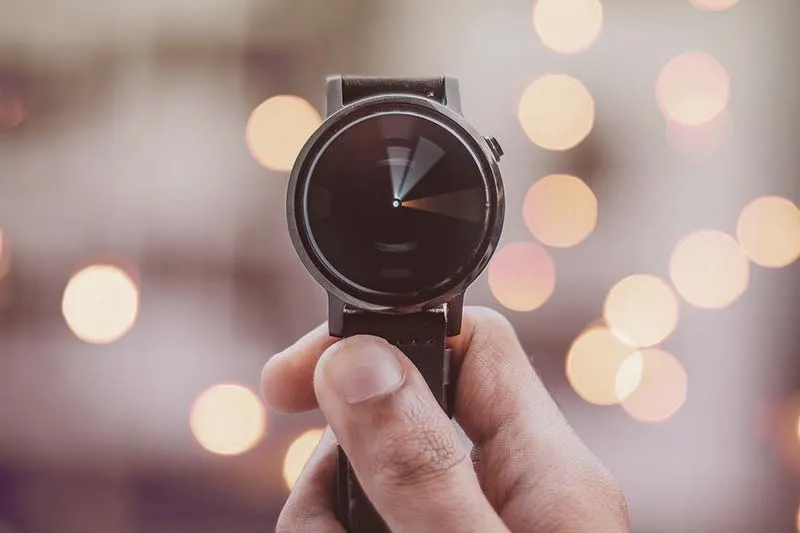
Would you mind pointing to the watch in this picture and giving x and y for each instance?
(395, 205)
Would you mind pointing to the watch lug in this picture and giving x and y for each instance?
(452, 94)
(335, 316)
(455, 310)
(334, 99)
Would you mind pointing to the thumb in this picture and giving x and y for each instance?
(404, 450)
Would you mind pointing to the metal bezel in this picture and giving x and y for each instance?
(360, 110)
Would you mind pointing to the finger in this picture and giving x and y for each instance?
(310, 505)
(526, 450)
(533, 468)
(404, 450)
(287, 378)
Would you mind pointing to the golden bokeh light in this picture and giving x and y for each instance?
(556, 112)
(769, 231)
(641, 310)
(13, 110)
(797, 428)
(522, 276)
(714, 5)
(693, 88)
(703, 139)
(100, 304)
(5, 259)
(797, 519)
(662, 388)
(298, 455)
(593, 365)
(568, 26)
(629, 376)
(278, 129)
(709, 269)
(228, 419)
(560, 210)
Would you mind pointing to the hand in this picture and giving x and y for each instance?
(528, 470)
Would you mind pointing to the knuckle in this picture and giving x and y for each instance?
(417, 455)
(594, 494)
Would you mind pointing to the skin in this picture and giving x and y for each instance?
(528, 471)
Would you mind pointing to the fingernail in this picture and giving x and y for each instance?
(360, 368)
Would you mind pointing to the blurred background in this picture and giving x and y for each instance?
(146, 273)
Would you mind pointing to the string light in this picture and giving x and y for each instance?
(662, 388)
(5, 262)
(593, 364)
(709, 269)
(228, 419)
(522, 276)
(278, 129)
(769, 231)
(100, 304)
(298, 455)
(629, 376)
(568, 26)
(556, 112)
(641, 310)
(714, 5)
(692, 88)
(13, 110)
(560, 210)
(700, 140)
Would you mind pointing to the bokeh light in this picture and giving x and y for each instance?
(556, 112)
(560, 210)
(797, 519)
(228, 419)
(593, 364)
(662, 389)
(568, 26)
(278, 129)
(13, 110)
(797, 428)
(780, 421)
(700, 140)
(522, 276)
(5, 260)
(692, 88)
(769, 231)
(298, 455)
(100, 304)
(629, 376)
(714, 5)
(709, 269)
(641, 310)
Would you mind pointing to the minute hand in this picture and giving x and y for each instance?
(426, 155)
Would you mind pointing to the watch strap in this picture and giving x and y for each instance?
(421, 337)
(358, 87)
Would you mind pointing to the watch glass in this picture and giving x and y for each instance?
(396, 203)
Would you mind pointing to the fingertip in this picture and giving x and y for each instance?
(358, 368)
(287, 377)
(279, 386)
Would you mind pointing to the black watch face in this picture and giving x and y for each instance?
(396, 204)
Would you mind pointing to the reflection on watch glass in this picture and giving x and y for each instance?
(396, 203)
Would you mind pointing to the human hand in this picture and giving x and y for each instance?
(528, 471)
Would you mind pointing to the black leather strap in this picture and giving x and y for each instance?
(421, 336)
(356, 87)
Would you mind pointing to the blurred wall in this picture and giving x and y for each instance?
(132, 151)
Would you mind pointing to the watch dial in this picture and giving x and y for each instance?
(396, 204)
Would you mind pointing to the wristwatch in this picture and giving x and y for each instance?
(395, 205)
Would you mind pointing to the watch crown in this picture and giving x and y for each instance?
(497, 150)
